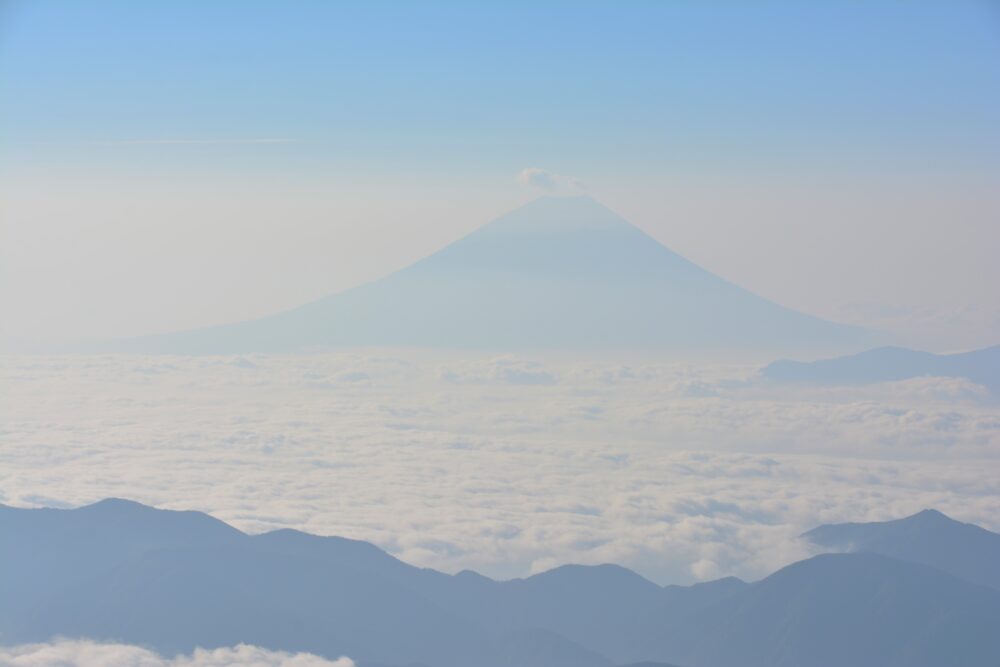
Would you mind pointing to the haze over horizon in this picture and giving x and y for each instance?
(794, 151)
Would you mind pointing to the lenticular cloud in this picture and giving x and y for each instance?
(69, 653)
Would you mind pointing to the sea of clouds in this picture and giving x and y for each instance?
(506, 465)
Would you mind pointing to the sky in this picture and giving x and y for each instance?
(171, 165)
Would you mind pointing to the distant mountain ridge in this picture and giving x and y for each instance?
(929, 537)
(886, 364)
(556, 273)
(117, 570)
(862, 609)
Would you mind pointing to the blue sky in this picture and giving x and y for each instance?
(450, 100)
(643, 83)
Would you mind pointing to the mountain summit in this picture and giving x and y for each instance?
(963, 550)
(555, 273)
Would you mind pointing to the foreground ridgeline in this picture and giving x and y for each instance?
(558, 273)
(917, 592)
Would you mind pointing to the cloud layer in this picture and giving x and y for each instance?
(505, 465)
(71, 653)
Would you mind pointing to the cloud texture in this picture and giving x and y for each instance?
(71, 653)
(506, 465)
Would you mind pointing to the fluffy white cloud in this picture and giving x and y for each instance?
(72, 653)
(549, 182)
(502, 370)
(505, 465)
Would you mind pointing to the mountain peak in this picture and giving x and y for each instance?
(929, 537)
(930, 515)
(557, 273)
(115, 505)
(577, 213)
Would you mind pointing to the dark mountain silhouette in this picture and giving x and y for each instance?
(556, 273)
(56, 549)
(543, 648)
(172, 581)
(929, 537)
(862, 610)
(119, 570)
(885, 364)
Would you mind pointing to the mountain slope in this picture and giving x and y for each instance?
(176, 580)
(189, 586)
(556, 273)
(862, 610)
(885, 364)
(929, 537)
(51, 549)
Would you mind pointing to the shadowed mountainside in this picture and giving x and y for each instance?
(929, 537)
(863, 610)
(176, 580)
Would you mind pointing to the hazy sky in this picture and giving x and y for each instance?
(167, 165)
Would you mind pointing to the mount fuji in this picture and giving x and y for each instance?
(557, 273)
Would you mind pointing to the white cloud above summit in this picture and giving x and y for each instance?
(548, 182)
